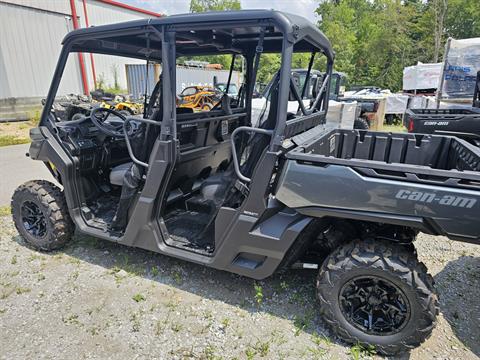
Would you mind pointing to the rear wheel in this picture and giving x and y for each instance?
(125, 113)
(41, 216)
(378, 293)
(207, 107)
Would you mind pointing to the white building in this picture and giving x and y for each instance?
(31, 32)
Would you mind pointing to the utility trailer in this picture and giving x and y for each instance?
(461, 121)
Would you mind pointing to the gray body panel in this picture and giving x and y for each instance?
(341, 188)
(427, 182)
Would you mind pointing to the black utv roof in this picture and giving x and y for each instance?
(202, 33)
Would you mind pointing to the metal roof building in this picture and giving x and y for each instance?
(31, 33)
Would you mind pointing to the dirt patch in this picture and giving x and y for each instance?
(96, 299)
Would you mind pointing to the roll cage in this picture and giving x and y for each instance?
(163, 40)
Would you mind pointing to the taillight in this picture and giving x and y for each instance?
(410, 125)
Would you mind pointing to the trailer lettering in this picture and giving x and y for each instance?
(428, 198)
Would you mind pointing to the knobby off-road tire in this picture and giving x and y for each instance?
(387, 268)
(361, 124)
(40, 214)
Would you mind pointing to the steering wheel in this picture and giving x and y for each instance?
(100, 115)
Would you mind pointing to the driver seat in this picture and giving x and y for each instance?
(117, 174)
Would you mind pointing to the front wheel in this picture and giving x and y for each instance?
(41, 215)
(377, 293)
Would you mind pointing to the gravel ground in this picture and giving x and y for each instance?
(98, 300)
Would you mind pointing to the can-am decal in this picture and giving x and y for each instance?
(426, 197)
(435, 123)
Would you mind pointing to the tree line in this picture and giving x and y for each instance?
(375, 39)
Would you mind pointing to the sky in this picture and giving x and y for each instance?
(305, 8)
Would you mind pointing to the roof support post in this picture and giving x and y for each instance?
(92, 63)
(169, 128)
(83, 71)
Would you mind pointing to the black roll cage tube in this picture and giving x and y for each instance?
(168, 61)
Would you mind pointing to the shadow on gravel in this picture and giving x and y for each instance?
(460, 303)
(290, 295)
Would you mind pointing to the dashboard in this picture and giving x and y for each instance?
(93, 149)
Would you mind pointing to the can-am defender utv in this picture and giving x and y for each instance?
(208, 187)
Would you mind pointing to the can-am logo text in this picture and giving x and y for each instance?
(425, 197)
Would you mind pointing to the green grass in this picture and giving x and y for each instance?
(5, 210)
(394, 128)
(7, 140)
(139, 297)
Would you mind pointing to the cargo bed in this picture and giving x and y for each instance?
(430, 182)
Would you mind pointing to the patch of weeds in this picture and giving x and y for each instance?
(40, 277)
(262, 348)
(2, 311)
(155, 271)
(21, 290)
(300, 324)
(315, 352)
(74, 275)
(134, 319)
(172, 305)
(34, 257)
(58, 256)
(139, 297)
(176, 327)
(209, 353)
(74, 260)
(177, 277)
(278, 337)
(321, 339)
(281, 287)
(14, 260)
(125, 260)
(6, 293)
(359, 351)
(225, 322)
(14, 273)
(258, 293)
(297, 298)
(71, 319)
(5, 211)
(94, 330)
(250, 353)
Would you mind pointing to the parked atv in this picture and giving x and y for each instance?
(198, 98)
(119, 103)
(210, 188)
(71, 107)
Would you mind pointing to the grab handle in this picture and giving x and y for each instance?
(234, 150)
(127, 139)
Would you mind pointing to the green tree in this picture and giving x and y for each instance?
(463, 19)
(197, 6)
(374, 39)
